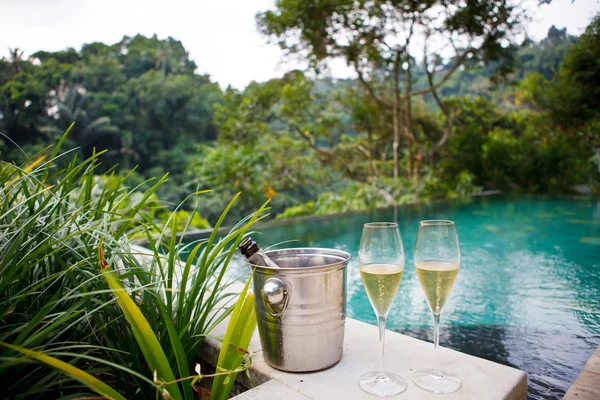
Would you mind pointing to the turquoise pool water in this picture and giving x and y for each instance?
(528, 290)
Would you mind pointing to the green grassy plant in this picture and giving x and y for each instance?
(88, 380)
(234, 348)
(61, 318)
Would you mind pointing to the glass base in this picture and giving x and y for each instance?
(382, 384)
(436, 381)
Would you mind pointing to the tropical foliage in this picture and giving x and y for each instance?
(417, 123)
(83, 309)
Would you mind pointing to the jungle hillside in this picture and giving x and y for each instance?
(415, 125)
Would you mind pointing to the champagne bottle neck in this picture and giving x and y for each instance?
(250, 249)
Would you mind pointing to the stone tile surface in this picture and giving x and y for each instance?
(593, 364)
(482, 379)
(272, 390)
(587, 384)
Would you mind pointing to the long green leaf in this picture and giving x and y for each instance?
(242, 231)
(57, 148)
(184, 278)
(88, 380)
(237, 336)
(195, 290)
(144, 335)
(182, 364)
(141, 203)
(171, 264)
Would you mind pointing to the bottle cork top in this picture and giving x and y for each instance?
(248, 247)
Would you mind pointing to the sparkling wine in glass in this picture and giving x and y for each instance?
(437, 258)
(381, 262)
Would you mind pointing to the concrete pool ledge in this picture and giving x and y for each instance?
(587, 384)
(482, 379)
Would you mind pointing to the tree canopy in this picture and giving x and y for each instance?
(385, 42)
(417, 123)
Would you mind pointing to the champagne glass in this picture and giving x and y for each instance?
(437, 258)
(381, 262)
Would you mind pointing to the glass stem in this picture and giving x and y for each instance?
(436, 338)
(381, 325)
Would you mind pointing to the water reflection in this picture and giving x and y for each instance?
(527, 295)
(551, 360)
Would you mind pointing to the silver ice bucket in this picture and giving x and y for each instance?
(301, 308)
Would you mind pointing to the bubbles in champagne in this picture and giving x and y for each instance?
(381, 283)
(437, 280)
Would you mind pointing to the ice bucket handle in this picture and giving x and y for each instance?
(276, 296)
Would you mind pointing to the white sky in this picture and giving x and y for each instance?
(219, 34)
